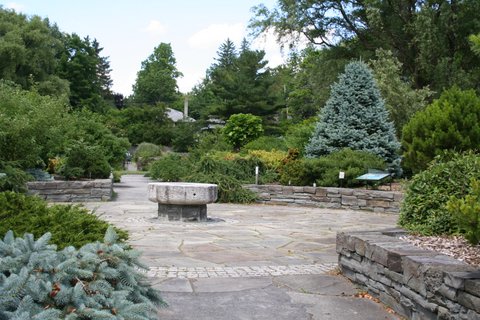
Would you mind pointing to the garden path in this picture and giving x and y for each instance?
(248, 262)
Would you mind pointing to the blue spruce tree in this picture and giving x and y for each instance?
(355, 117)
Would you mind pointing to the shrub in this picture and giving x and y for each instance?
(146, 153)
(449, 123)
(209, 142)
(184, 136)
(229, 188)
(171, 167)
(324, 170)
(298, 134)
(424, 207)
(99, 281)
(466, 213)
(14, 179)
(353, 163)
(69, 225)
(85, 161)
(242, 128)
(266, 143)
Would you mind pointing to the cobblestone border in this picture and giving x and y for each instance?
(238, 272)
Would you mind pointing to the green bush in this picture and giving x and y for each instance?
(145, 154)
(184, 136)
(449, 123)
(466, 213)
(14, 179)
(267, 143)
(101, 280)
(353, 163)
(298, 134)
(69, 225)
(229, 188)
(242, 128)
(85, 161)
(324, 170)
(209, 142)
(424, 208)
(171, 167)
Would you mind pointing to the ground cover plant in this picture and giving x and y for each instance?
(100, 280)
(69, 225)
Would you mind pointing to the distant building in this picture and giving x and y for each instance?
(176, 116)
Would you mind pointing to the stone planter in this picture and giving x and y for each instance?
(416, 283)
(72, 191)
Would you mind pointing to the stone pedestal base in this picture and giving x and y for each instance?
(178, 212)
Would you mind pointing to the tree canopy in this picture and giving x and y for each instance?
(157, 79)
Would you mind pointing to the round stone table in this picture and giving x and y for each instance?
(182, 200)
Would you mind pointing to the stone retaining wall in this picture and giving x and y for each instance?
(416, 283)
(356, 199)
(72, 191)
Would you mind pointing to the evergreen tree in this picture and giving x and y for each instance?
(157, 80)
(355, 117)
(449, 123)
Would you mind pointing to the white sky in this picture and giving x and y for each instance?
(129, 31)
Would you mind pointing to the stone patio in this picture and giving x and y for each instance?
(248, 262)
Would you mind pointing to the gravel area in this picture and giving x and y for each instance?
(456, 247)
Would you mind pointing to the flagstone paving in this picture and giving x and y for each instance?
(247, 261)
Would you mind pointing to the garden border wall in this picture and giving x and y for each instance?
(72, 191)
(416, 283)
(339, 198)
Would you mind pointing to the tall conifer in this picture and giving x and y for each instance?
(355, 117)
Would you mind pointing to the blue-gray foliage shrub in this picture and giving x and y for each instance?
(101, 280)
(355, 117)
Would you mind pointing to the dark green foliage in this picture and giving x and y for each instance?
(171, 167)
(228, 174)
(449, 123)
(466, 213)
(241, 129)
(430, 39)
(34, 129)
(69, 225)
(184, 136)
(424, 207)
(355, 117)
(142, 123)
(324, 170)
(239, 82)
(14, 179)
(157, 79)
(145, 154)
(209, 142)
(86, 71)
(84, 161)
(267, 143)
(353, 163)
(298, 134)
(98, 281)
(29, 52)
(229, 188)
(401, 100)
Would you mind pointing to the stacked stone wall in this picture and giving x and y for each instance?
(72, 191)
(340, 198)
(416, 283)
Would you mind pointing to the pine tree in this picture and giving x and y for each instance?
(355, 117)
(98, 281)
